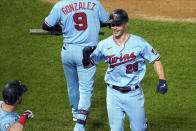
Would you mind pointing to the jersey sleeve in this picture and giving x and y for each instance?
(97, 55)
(103, 15)
(5, 124)
(149, 53)
(54, 16)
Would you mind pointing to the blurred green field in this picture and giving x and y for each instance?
(35, 60)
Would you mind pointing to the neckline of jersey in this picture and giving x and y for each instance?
(124, 43)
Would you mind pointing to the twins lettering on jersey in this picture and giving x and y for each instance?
(116, 61)
(122, 59)
(78, 6)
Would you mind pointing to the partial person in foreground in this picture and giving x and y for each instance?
(125, 55)
(12, 95)
(80, 22)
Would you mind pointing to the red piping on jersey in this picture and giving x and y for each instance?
(47, 24)
(158, 59)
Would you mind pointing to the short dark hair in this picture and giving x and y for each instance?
(12, 91)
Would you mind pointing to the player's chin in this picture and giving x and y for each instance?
(116, 34)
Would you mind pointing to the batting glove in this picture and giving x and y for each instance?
(162, 86)
(87, 51)
(28, 114)
(104, 24)
(58, 30)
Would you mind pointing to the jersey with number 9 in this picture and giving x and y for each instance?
(80, 20)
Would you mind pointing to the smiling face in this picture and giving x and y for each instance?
(119, 30)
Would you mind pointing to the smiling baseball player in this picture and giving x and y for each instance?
(125, 55)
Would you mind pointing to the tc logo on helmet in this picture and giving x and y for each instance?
(115, 16)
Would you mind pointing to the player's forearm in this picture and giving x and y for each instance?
(159, 69)
(57, 27)
(16, 127)
(46, 27)
(102, 24)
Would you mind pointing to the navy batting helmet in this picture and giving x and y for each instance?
(12, 91)
(118, 17)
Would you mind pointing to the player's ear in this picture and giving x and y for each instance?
(126, 24)
(19, 100)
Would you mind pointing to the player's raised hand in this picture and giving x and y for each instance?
(28, 114)
(162, 86)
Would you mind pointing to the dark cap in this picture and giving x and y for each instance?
(12, 91)
(118, 17)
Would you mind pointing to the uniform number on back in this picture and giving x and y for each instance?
(81, 21)
(132, 68)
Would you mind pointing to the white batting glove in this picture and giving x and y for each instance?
(28, 114)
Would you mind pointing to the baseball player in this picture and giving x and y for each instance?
(125, 56)
(80, 22)
(12, 95)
